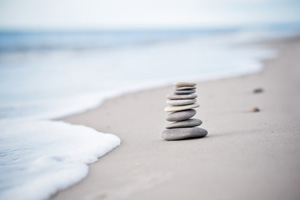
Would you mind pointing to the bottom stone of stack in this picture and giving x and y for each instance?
(184, 133)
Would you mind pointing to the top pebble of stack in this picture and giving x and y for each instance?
(184, 84)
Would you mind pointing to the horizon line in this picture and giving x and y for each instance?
(157, 28)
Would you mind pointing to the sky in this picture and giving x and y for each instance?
(86, 14)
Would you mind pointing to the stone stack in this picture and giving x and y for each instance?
(181, 108)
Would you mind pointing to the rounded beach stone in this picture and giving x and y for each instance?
(179, 108)
(185, 123)
(177, 97)
(181, 102)
(180, 115)
(183, 133)
(181, 84)
(184, 91)
(185, 88)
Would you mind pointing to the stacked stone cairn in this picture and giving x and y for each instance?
(181, 110)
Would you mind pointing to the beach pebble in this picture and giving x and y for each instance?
(181, 102)
(255, 109)
(183, 133)
(258, 90)
(182, 84)
(180, 115)
(184, 91)
(185, 123)
(185, 88)
(177, 97)
(179, 108)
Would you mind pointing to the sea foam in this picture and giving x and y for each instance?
(39, 157)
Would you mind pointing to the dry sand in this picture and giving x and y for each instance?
(246, 155)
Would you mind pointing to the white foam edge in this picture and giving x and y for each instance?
(64, 152)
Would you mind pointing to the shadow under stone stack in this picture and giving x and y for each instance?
(181, 105)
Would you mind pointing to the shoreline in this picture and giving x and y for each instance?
(251, 148)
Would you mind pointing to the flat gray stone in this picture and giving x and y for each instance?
(184, 91)
(180, 115)
(177, 97)
(185, 88)
(182, 84)
(179, 108)
(181, 102)
(183, 133)
(185, 123)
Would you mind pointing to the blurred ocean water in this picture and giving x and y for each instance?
(46, 75)
(49, 75)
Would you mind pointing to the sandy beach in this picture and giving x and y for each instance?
(246, 155)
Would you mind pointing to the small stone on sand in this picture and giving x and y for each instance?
(255, 109)
(258, 90)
